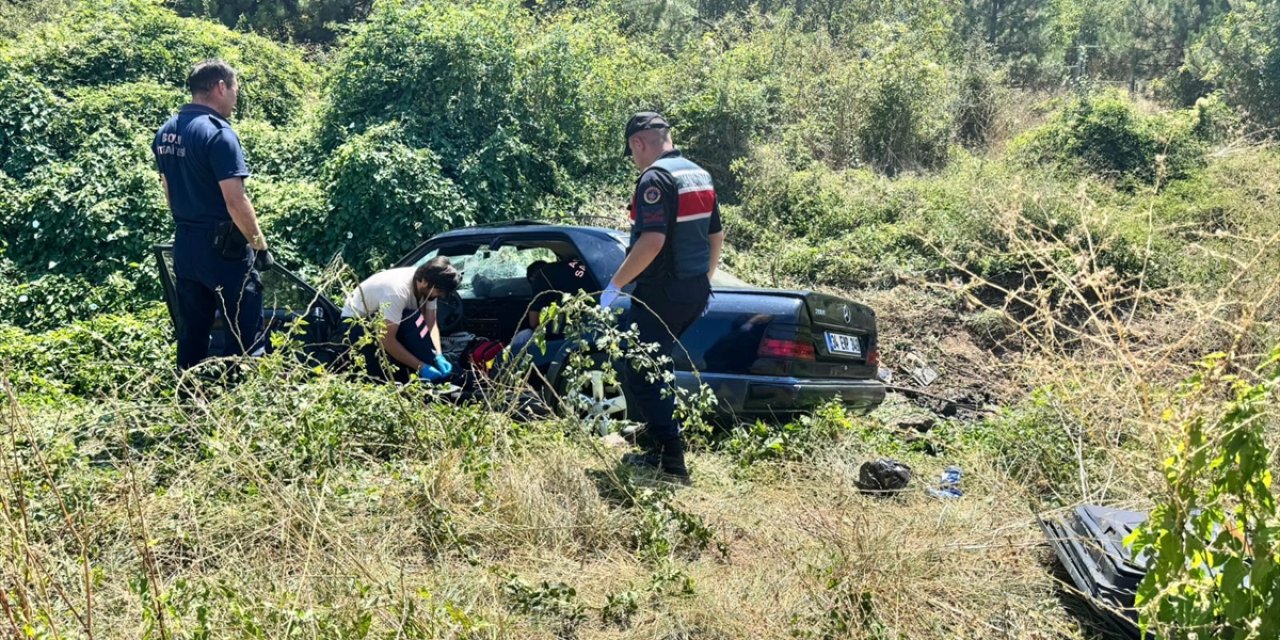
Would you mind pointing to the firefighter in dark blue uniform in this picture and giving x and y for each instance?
(218, 247)
(676, 239)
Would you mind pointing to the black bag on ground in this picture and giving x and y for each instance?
(883, 477)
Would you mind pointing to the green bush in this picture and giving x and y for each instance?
(1106, 134)
(54, 300)
(796, 440)
(293, 214)
(517, 111)
(1241, 56)
(723, 102)
(91, 215)
(93, 356)
(980, 94)
(17, 18)
(123, 109)
(385, 197)
(1218, 510)
(27, 111)
(446, 72)
(123, 41)
(447, 76)
(891, 110)
(308, 21)
(576, 80)
(276, 152)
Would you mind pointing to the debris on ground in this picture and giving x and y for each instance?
(948, 485)
(883, 477)
(921, 373)
(1089, 541)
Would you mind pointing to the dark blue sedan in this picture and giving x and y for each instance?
(764, 352)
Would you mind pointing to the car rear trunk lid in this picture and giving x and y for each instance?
(842, 334)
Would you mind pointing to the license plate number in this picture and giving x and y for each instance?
(841, 343)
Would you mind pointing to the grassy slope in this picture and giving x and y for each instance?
(302, 521)
(322, 509)
(325, 509)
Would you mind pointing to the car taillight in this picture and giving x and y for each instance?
(794, 349)
(873, 358)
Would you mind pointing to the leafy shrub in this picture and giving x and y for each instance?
(1214, 538)
(123, 109)
(722, 102)
(1241, 56)
(516, 111)
(275, 152)
(103, 354)
(446, 76)
(17, 18)
(1104, 133)
(977, 102)
(27, 110)
(811, 225)
(891, 110)
(292, 214)
(577, 80)
(794, 440)
(311, 21)
(139, 40)
(445, 71)
(1217, 121)
(54, 300)
(385, 198)
(89, 216)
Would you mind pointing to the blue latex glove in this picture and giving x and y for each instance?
(430, 373)
(443, 365)
(607, 296)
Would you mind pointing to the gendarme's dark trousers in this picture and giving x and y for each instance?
(662, 311)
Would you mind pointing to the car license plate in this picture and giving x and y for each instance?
(841, 343)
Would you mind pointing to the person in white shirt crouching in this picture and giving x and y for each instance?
(404, 296)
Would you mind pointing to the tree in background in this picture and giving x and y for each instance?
(314, 21)
(1018, 33)
(1240, 54)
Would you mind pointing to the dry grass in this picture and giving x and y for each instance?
(305, 506)
(237, 539)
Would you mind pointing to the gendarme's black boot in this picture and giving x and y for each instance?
(673, 459)
(650, 458)
(644, 440)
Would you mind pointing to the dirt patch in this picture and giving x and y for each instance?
(971, 353)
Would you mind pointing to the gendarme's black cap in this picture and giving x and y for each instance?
(642, 121)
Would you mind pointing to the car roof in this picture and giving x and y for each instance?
(525, 227)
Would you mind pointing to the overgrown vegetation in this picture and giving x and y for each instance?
(1062, 207)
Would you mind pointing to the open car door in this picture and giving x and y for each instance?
(286, 300)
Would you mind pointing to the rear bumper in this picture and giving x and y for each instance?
(771, 395)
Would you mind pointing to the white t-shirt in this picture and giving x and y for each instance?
(389, 292)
